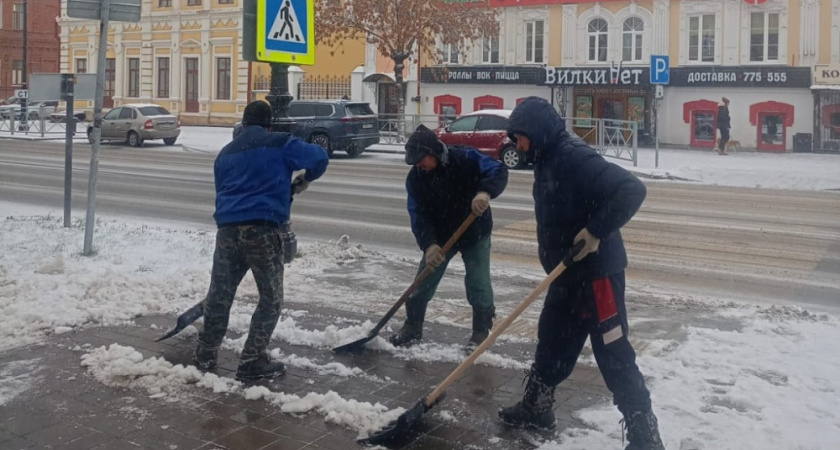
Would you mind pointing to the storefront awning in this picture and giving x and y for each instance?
(379, 76)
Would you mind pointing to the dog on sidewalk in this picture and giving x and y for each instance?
(732, 146)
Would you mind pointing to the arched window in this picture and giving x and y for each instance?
(634, 28)
(598, 38)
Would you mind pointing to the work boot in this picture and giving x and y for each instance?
(259, 368)
(482, 322)
(205, 359)
(642, 431)
(535, 409)
(410, 333)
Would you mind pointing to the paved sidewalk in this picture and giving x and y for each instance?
(67, 408)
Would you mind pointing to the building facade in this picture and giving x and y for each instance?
(592, 58)
(42, 46)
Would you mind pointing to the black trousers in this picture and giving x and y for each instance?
(724, 138)
(574, 311)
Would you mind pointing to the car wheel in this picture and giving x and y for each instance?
(323, 141)
(512, 158)
(134, 139)
(170, 141)
(354, 150)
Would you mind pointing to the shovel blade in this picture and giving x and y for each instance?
(398, 428)
(184, 320)
(354, 346)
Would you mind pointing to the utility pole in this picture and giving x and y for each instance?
(279, 98)
(24, 103)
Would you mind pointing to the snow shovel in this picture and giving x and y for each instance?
(406, 421)
(184, 320)
(358, 344)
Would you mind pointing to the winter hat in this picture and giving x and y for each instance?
(725, 100)
(421, 143)
(257, 113)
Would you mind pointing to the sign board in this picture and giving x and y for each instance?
(286, 31)
(827, 74)
(660, 91)
(615, 75)
(48, 86)
(21, 93)
(481, 75)
(741, 76)
(660, 69)
(120, 10)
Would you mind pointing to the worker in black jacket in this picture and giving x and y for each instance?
(445, 185)
(579, 196)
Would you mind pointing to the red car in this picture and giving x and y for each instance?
(486, 131)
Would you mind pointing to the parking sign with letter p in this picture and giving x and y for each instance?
(660, 69)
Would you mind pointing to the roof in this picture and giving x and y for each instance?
(493, 112)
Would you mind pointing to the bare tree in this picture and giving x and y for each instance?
(401, 29)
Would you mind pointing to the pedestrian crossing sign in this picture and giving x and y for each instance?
(286, 31)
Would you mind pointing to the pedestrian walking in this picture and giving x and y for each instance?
(723, 124)
(445, 185)
(254, 188)
(579, 196)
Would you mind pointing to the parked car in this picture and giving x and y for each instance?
(9, 107)
(136, 123)
(34, 110)
(333, 124)
(485, 130)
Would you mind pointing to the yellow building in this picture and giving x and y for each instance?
(185, 55)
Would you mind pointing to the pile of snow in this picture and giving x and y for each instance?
(125, 367)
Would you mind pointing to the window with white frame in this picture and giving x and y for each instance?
(17, 16)
(701, 38)
(448, 53)
(764, 36)
(534, 46)
(490, 49)
(598, 31)
(633, 29)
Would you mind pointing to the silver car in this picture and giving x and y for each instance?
(136, 123)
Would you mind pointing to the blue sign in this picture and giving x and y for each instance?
(285, 31)
(660, 69)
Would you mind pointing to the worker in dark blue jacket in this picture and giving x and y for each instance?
(445, 185)
(579, 196)
(253, 198)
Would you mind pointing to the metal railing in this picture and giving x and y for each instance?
(41, 124)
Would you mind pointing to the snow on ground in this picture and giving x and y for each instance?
(17, 377)
(769, 382)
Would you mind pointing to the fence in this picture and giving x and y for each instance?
(39, 124)
(617, 139)
(323, 88)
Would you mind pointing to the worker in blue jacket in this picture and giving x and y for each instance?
(253, 199)
(579, 196)
(445, 185)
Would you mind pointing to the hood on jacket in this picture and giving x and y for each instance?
(536, 119)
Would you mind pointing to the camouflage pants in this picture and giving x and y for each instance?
(238, 249)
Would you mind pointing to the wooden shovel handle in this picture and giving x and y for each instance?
(499, 329)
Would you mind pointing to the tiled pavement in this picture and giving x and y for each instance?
(67, 409)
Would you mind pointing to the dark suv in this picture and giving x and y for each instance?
(333, 124)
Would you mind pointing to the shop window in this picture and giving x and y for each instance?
(831, 120)
(634, 29)
(771, 120)
(534, 31)
(598, 40)
(701, 38)
(487, 102)
(764, 36)
(448, 108)
(702, 115)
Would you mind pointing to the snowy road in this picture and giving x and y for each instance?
(729, 242)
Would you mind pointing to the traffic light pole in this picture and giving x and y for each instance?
(279, 98)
